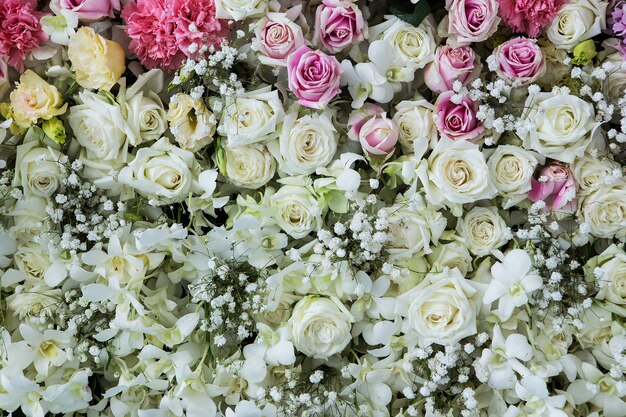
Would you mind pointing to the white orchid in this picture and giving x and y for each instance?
(600, 389)
(504, 359)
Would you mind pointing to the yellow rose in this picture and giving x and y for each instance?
(35, 99)
(97, 62)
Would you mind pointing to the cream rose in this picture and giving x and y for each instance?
(97, 62)
(37, 301)
(39, 170)
(34, 99)
(591, 173)
(612, 263)
(577, 21)
(320, 326)
(249, 166)
(305, 143)
(252, 118)
(296, 210)
(192, 124)
(100, 127)
(29, 218)
(415, 45)
(31, 260)
(511, 168)
(412, 232)
(482, 230)
(440, 310)
(451, 255)
(162, 170)
(604, 211)
(563, 122)
(240, 9)
(415, 123)
(144, 108)
(455, 173)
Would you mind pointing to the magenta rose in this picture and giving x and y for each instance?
(472, 20)
(338, 24)
(278, 37)
(313, 77)
(87, 10)
(370, 126)
(556, 187)
(519, 59)
(452, 64)
(458, 121)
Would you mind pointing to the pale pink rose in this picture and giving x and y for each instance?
(338, 24)
(472, 20)
(452, 64)
(87, 10)
(458, 121)
(279, 36)
(556, 186)
(313, 77)
(370, 126)
(519, 59)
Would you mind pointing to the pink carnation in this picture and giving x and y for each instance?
(20, 30)
(529, 16)
(164, 32)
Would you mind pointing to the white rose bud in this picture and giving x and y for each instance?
(320, 326)
(483, 230)
(416, 125)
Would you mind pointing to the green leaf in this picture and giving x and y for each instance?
(408, 12)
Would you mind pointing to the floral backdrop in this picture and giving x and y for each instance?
(252, 208)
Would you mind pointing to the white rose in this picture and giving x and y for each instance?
(455, 173)
(100, 128)
(576, 22)
(101, 173)
(451, 255)
(30, 218)
(296, 209)
(483, 230)
(612, 262)
(604, 211)
(320, 326)
(441, 309)
(563, 123)
(416, 45)
(37, 301)
(191, 123)
(511, 168)
(240, 9)
(591, 173)
(146, 113)
(305, 143)
(249, 166)
(38, 170)
(416, 125)
(32, 261)
(162, 170)
(253, 117)
(413, 231)
(615, 84)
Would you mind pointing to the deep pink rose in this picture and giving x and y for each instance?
(556, 186)
(529, 16)
(87, 10)
(278, 36)
(20, 30)
(519, 59)
(458, 121)
(472, 20)
(369, 125)
(313, 77)
(452, 64)
(338, 24)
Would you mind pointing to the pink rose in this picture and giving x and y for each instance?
(313, 77)
(370, 126)
(458, 121)
(338, 24)
(87, 10)
(452, 64)
(529, 16)
(556, 186)
(519, 59)
(472, 20)
(279, 37)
